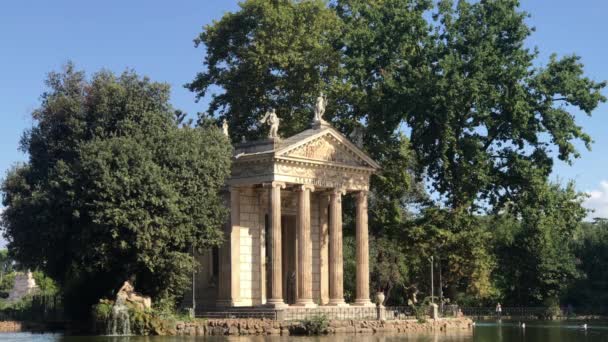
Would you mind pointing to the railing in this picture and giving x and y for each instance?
(345, 313)
(506, 311)
(449, 310)
(35, 308)
(399, 313)
(259, 314)
(298, 314)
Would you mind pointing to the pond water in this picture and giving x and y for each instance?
(569, 331)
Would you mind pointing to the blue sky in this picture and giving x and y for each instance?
(155, 38)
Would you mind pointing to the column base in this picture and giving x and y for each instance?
(276, 304)
(337, 303)
(305, 303)
(363, 302)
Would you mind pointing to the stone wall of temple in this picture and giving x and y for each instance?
(205, 283)
(250, 276)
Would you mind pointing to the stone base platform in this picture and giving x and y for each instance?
(295, 312)
(212, 327)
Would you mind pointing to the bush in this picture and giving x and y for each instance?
(101, 314)
(20, 310)
(316, 325)
(103, 310)
(142, 322)
(552, 309)
(421, 310)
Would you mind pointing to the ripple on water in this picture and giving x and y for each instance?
(505, 331)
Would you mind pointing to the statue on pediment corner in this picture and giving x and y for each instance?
(225, 127)
(320, 106)
(271, 118)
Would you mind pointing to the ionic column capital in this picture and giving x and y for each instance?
(304, 187)
(338, 191)
(274, 184)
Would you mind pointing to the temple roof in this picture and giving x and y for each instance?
(319, 156)
(323, 144)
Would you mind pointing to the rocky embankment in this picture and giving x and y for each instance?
(270, 327)
(10, 326)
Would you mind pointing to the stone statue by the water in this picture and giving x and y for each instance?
(225, 127)
(272, 119)
(24, 284)
(127, 294)
(31, 283)
(320, 110)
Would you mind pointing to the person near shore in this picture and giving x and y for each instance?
(498, 310)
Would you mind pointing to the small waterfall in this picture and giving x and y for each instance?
(119, 324)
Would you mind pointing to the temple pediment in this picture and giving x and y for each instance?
(318, 156)
(325, 146)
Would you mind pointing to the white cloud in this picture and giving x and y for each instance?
(598, 201)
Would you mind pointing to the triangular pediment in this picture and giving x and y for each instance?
(326, 146)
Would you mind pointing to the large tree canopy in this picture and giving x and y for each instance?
(457, 100)
(536, 260)
(270, 54)
(114, 187)
(487, 119)
(282, 54)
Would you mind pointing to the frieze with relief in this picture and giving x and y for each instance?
(327, 178)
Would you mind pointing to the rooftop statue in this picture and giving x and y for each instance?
(23, 285)
(225, 127)
(272, 119)
(320, 110)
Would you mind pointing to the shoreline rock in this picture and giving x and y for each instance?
(10, 326)
(242, 327)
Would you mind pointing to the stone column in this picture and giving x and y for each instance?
(336, 264)
(263, 208)
(304, 247)
(276, 278)
(362, 296)
(229, 254)
(235, 244)
(324, 247)
(223, 295)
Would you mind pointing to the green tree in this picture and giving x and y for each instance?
(536, 258)
(269, 54)
(114, 188)
(488, 120)
(591, 250)
(6, 263)
(389, 269)
(458, 101)
(459, 241)
(281, 54)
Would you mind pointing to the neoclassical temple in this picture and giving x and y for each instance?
(284, 238)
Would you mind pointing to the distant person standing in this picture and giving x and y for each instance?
(498, 310)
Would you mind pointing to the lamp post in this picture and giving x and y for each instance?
(193, 286)
(432, 283)
(440, 285)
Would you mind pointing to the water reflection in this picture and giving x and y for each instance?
(504, 331)
(426, 337)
